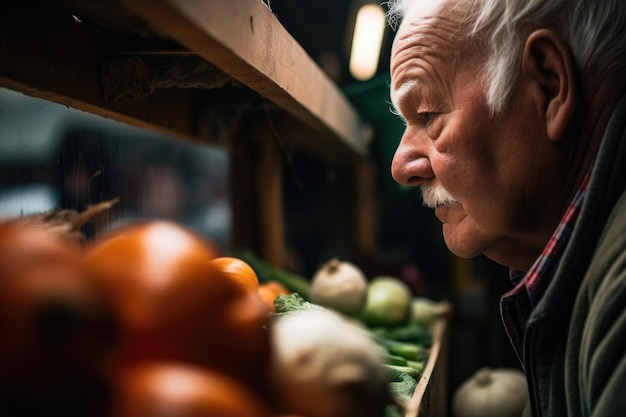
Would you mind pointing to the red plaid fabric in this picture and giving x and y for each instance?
(517, 304)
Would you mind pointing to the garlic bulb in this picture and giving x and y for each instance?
(498, 392)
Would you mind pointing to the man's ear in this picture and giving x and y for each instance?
(549, 63)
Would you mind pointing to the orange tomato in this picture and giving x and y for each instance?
(239, 270)
(270, 290)
(177, 390)
(175, 304)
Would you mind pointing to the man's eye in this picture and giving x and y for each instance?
(426, 117)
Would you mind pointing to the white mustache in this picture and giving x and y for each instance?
(436, 195)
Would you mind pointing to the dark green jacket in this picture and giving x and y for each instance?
(575, 341)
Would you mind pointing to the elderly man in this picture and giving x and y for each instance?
(515, 135)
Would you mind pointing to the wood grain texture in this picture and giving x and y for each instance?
(430, 395)
(245, 40)
(55, 55)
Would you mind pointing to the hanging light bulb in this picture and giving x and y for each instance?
(367, 41)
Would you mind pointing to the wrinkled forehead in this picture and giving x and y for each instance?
(418, 11)
(431, 33)
(431, 24)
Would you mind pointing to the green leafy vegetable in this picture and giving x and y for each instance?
(285, 304)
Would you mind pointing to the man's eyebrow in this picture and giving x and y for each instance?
(403, 90)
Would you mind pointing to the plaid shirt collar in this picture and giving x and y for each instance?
(517, 304)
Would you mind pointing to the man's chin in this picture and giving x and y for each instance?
(463, 252)
(463, 245)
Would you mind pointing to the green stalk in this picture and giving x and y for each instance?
(267, 272)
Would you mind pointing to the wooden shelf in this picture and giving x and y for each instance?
(208, 71)
(158, 64)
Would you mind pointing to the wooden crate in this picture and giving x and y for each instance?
(430, 396)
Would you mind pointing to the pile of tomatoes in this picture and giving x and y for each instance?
(151, 320)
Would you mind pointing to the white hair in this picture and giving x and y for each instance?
(594, 30)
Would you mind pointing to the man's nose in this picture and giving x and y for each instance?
(410, 165)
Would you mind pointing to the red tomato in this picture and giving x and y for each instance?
(57, 330)
(174, 304)
(177, 390)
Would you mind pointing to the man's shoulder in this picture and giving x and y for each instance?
(595, 361)
(608, 263)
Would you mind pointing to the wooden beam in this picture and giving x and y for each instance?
(51, 56)
(245, 40)
(56, 56)
(365, 208)
(270, 197)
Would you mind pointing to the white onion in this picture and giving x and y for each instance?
(340, 285)
(498, 392)
(321, 365)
